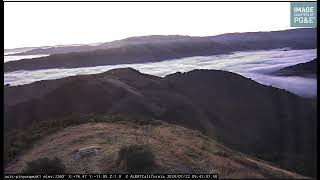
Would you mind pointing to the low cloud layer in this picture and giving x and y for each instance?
(254, 64)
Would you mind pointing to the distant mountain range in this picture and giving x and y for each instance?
(108, 45)
(141, 53)
(244, 38)
(269, 123)
(158, 48)
(303, 69)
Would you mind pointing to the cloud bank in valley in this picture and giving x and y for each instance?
(253, 64)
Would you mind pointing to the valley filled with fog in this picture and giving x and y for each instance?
(257, 65)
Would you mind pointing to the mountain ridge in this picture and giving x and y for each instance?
(152, 38)
(210, 101)
(303, 69)
(196, 153)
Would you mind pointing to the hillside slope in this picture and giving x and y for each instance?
(176, 149)
(263, 121)
(301, 38)
(303, 69)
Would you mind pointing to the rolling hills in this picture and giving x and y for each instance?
(266, 122)
(303, 69)
(176, 149)
(295, 38)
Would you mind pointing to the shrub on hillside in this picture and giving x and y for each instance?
(135, 158)
(45, 166)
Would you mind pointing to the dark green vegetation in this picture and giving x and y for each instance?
(158, 48)
(135, 158)
(267, 122)
(302, 69)
(45, 166)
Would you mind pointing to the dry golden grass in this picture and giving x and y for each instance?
(176, 149)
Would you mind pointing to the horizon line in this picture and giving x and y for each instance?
(98, 43)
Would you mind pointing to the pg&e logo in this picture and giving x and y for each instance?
(303, 14)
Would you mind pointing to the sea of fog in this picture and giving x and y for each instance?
(256, 65)
(15, 58)
(9, 57)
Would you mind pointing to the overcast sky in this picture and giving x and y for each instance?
(39, 24)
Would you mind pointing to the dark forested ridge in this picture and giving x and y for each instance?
(303, 69)
(290, 38)
(267, 122)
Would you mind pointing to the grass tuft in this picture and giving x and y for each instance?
(135, 158)
(45, 166)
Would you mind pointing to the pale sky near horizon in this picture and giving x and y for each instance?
(41, 24)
